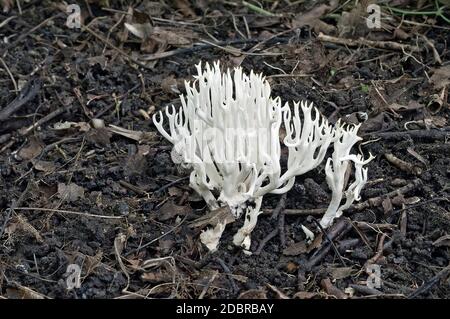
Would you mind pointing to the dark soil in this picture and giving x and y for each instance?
(55, 177)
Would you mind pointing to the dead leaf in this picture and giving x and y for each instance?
(442, 241)
(291, 267)
(170, 85)
(332, 290)
(222, 215)
(175, 191)
(44, 166)
(175, 37)
(71, 192)
(412, 105)
(81, 126)
(32, 149)
(139, 24)
(311, 17)
(156, 277)
(353, 23)
(170, 210)
(436, 121)
(23, 224)
(21, 292)
(279, 293)
(305, 295)
(295, 249)
(253, 294)
(7, 5)
(340, 272)
(441, 77)
(185, 7)
(99, 136)
(387, 205)
(317, 242)
(138, 136)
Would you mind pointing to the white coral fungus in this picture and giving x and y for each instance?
(227, 131)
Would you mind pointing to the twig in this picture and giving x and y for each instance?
(425, 134)
(13, 207)
(206, 46)
(430, 283)
(258, 9)
(24, 35)
(16, 88)
(229, 273)
(30, 90)
(403, 165)
(210, 281)
(41, 121)
(131, 187)
(281, 230)
(340, 228)
(280, 206)
(366, 290)
(298, 212)
(155, 239)
(171, 184)
(336, 251)
(386, 45)
(379, 252)
(240, 52)
(61, 211)
(376, 201)
(263, 242)
(112, 46)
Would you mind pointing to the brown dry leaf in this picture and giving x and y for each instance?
(99, 136)
(175, 191)
(305, 295)
(352, 23)
(412, 105)
(442, 241)
(311, 17)
(92, 262)
(7, 5)
(81, 126)
(332, 290)
(156, 277)
(295, 249)
(138, 136)
(280, 294)
(32, 149)
(253, 294)
(23, 224)
(47, 191)
(139, 24)
(387, 205)
(222, 214)
(379, 122)
(435, 121)
(347, 82)
(175, 37)
(441, 77)
(291, 267)
(21, 292)
(170, 85)
(340, 272)
(317, 242)
(170, 210)
(44, 166)
(71, 192)
(135, 164)
(185, 7)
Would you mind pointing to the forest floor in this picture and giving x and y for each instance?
(76, 192)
